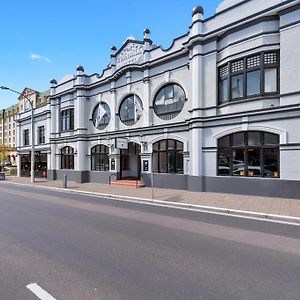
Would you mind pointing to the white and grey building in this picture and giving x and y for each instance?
(219, 110)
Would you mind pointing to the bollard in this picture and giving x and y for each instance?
(65, 181)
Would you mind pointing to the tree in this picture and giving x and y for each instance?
(4, 150)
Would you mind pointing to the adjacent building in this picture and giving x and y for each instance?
(8, 132)
(216, 111)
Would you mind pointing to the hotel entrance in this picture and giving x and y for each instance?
(131, 162)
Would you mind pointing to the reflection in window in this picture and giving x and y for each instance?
(101, 115)
(169, 101)
(99, 158)
(131, 110)
(251, 153)
(168, 156)
(255, 75)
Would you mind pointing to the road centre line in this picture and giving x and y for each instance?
(39, 292)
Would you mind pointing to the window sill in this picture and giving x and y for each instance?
(249, 99)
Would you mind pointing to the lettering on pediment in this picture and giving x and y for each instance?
(133, 53)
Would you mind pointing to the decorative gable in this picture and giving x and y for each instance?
(132, 52)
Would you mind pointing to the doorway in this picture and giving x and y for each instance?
(131, 162)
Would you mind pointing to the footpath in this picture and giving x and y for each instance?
(279, 209)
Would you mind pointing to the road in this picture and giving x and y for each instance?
(84, 247)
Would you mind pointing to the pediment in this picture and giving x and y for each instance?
(132, 52)
(27, 92)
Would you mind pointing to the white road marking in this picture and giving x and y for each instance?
(39, 292)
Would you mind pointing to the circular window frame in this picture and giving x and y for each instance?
(102, 126)
(171, 115)
(130, 122)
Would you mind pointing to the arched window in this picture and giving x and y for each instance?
(101, 115)
(67, 158)
(168, 156)
(169, 101)
(250, 153)
(131, 110)
(99, 158)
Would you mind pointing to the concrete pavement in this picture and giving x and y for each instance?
(239, 204)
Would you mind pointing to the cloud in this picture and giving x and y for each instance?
(34, 57)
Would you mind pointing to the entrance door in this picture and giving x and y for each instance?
(131, 161)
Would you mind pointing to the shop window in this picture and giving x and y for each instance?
(100, 158)
(131, 110)
(169, 101)
(252, 153)
(251, 76)
(101, 115)
(168, 156)
(67, 158)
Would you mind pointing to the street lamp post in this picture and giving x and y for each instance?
(32, 130)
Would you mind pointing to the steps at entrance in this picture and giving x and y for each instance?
(128, 183)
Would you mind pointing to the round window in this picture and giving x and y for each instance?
(101, 115)
(169, 101)
(131, 110)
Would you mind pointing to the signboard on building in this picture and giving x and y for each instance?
(121, 143)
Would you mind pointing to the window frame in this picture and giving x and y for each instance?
(67, 119)
(67, 158)
(245, 147)
(262, 67)
(169, 115)
(100, 155)
(41, 134)
(26, 137)
(167, 151)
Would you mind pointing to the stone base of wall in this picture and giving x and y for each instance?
(269, 187)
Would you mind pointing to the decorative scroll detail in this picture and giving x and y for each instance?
(133, 53)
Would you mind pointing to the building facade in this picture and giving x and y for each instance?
(39, 101)
(217, 111)
(8, 134)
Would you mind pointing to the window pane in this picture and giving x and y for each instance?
(179, 145)
(224, 162)
(238, 162)
(155, 162)
(162, 162)
(253, 83)
(254, 138)
(254, 168)
(179, 162)
(155, 146)
(238, 139)
(270, 80)
(271, 164)
(163, 145)
(171, 162)
(171, 144)
(237, 86)
(224, 141)
(271, 139)
(223, 90)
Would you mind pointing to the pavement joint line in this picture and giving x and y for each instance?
(39, 292)
(184, 206)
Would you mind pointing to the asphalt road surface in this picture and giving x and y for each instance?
(65, 246)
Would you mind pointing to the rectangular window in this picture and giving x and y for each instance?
(26, 137)
(41, 134)
(255, 75)
(67, 119)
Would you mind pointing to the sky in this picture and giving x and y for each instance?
(42, 40)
